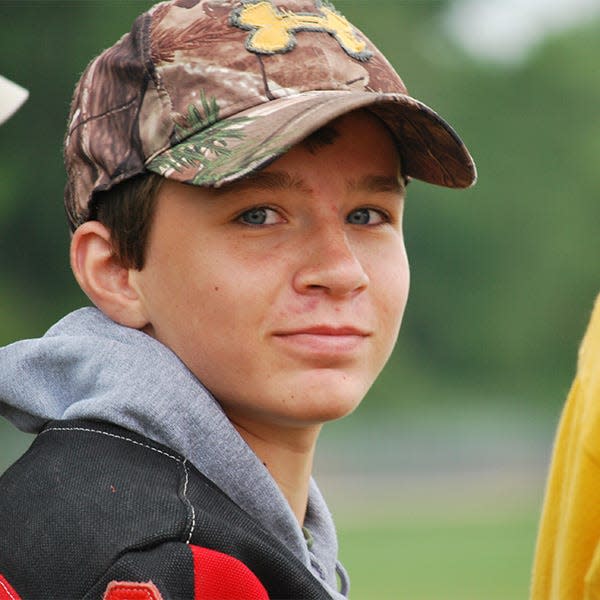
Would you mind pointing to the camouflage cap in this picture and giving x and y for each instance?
(207, 91)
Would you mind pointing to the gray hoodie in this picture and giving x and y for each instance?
(88, 367)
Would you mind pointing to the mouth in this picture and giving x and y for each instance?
(326, 340)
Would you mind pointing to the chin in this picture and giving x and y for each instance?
(329, 399)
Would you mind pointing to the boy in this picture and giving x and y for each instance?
(236, 177)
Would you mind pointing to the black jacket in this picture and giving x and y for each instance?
(93, 511)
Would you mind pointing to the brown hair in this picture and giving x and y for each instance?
(127, 211)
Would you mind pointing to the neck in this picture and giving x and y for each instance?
(288, 455)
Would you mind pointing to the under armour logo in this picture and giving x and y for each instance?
(273, 29)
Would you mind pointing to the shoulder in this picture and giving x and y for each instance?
(91, 503)
(83, 494)
(97, 481)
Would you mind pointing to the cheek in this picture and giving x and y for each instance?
(182, 294)
(403, 284)
(393, 283)
(391, 296)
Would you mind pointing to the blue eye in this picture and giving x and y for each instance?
(260, 215)
(256, 216)
(365, 216)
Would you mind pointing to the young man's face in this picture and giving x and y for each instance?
(284, 293)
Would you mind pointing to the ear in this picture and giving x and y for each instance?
(100, 275)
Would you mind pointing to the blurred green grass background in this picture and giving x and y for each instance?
(437, 557)
(440, 506)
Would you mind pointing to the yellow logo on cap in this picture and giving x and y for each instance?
(273, 29)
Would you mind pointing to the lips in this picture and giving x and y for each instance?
(326, 330)
(324, 339)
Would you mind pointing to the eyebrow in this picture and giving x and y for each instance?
(266, 180)
(282, 180)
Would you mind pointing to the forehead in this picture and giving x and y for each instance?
(360, 123)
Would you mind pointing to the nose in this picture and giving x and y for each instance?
(330, 264)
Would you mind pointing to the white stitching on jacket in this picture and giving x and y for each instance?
(190, 505)
(183, 463)
(112, 435)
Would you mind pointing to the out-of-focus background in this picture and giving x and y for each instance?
(437, 479)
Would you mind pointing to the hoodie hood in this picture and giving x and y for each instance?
(88, 367)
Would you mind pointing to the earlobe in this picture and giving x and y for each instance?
(106, 282)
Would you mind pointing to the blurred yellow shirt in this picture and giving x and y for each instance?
(567, 558)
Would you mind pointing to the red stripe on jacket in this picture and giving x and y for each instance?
(218, 576)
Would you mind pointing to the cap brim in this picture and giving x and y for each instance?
(430, 149)
(11, 97)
